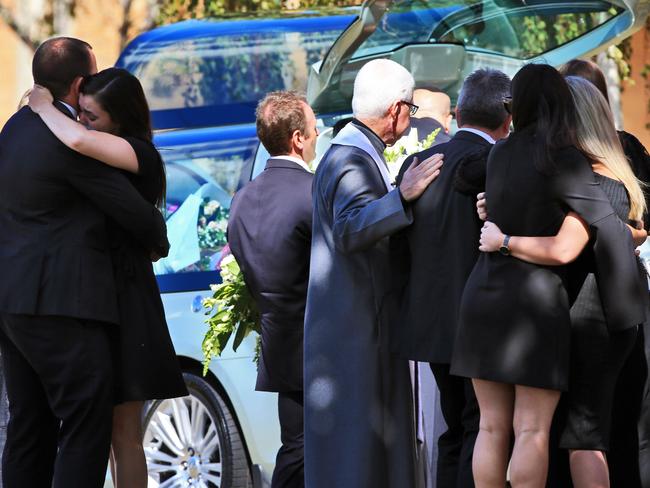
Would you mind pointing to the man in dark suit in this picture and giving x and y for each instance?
(57, 293)
(442, 245)
(269, 233)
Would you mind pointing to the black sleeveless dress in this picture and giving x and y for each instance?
(597, 355)
(514, 323)
(144, 357)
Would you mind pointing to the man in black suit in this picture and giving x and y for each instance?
(269, 233)
(57, 293)
(442, 245)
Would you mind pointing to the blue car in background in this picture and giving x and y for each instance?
(203, 80)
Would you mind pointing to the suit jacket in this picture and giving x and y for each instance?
(441, 248)
(54, 204)
(269, 233)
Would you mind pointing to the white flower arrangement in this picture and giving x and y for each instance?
(403, 148)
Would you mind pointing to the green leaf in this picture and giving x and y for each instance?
(242, 332)
(230, 310)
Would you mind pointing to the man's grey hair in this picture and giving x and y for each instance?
(378, 85)
(480, 102)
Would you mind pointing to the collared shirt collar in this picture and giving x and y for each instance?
(294, 160)
(72, 110)
(485, 136)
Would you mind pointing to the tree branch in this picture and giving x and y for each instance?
(126, 22)
(23, 34)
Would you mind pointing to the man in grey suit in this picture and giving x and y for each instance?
(358, 413)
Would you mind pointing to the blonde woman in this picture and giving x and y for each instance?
(597, 353)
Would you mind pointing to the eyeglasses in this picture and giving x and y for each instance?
(413, 109)
(507, 104)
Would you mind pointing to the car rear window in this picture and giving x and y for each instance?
(202, 177)
(217, 76)
(512, 28)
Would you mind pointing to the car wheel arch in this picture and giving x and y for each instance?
(190, 365)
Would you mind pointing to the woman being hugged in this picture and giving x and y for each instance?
(514, 332)
(114, 106)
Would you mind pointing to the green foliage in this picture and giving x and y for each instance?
(541, 34)
(535, 35)
(621, 56)
(177, 10)
(231, 310)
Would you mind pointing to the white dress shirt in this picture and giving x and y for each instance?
(485, 136)
(72, 110)
(295, 160)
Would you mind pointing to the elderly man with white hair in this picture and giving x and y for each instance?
(359, 430)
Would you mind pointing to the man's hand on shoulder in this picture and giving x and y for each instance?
(418, 177)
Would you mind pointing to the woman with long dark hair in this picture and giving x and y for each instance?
(114, 106)
(514, 331)
(597, 356)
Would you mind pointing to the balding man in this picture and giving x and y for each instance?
(434, 112)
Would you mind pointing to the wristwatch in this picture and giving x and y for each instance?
(504, 249)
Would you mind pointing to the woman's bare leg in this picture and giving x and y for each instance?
(129, 468)
(589, 469)
(534, 409)
(490, 460)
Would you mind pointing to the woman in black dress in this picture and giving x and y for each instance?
(597, 355)
(514, 329)
(113, 104)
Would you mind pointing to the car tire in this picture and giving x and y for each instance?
(194, 440)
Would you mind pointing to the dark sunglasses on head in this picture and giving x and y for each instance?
(507, 104)
(412, 107)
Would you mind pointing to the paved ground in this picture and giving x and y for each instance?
(431, 427)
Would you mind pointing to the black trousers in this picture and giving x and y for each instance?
(58, 373)
(456, 445)
(290, 462)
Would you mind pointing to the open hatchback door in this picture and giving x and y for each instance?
(440, 42)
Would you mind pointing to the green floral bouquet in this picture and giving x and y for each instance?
(232, 310)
